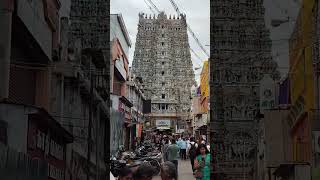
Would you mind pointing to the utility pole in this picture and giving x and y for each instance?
(97, 143)
(90, 122)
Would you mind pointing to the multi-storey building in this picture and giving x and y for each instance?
(136, 96)
(162, 59)
(28, 130)
(80, 92)
(240, 56)
(121, 112)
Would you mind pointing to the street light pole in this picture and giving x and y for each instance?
(90, 123)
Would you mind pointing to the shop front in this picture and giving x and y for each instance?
(125, 107)
(47, 140)
(163, 127)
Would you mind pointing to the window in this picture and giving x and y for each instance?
(162, 26)
(163, 96)
(162, 73)
(163, 107)
(162, 35)
(163, 83)
(162, 53)
(162, 63)
(162, 44)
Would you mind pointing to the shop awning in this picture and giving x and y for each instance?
(43, 118)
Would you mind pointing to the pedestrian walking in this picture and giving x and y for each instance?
(202, 163)
(168, 171)
(188, 142)
(173, 152)
(178, 141)
(192, 151)
(183, 149)
(165, 150)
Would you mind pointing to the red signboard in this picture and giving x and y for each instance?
(43, 145)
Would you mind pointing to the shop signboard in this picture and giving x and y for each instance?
(163, 124)
(43, 145)
(267, 93)
(204, 78)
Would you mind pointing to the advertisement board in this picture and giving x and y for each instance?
(163, 123)
(267, 93)
(204, 79)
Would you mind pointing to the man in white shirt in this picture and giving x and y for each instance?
(188, 143)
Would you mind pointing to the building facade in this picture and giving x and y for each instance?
(200, 105)
(240, 56)
(80, 93)
(28, 128)
(302, 54)
(119, 73)
(162, 59)
(135, 95)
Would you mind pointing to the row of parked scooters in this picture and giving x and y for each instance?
(147, 152)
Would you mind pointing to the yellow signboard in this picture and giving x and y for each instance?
(302, 78)
(204, 80)
(297, 75)
(301, 61)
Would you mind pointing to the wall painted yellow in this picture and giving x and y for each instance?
(302, 79)
(301, 63)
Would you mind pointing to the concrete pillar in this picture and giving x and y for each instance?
(6, 9)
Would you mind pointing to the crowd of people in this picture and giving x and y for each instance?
(175, 148)
(188, 148)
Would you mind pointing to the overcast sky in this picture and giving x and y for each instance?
(198, 17)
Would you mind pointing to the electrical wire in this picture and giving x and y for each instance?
(149, 7)
(176, 8)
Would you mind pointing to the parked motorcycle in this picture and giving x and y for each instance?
(116, 165)
(145, 153)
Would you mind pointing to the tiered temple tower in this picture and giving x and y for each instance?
(162, 59)
(240, 56)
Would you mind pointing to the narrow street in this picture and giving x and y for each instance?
(184, 171)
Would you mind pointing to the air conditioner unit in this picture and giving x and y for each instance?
(316, 135)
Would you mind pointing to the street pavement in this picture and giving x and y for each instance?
(184, 171)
